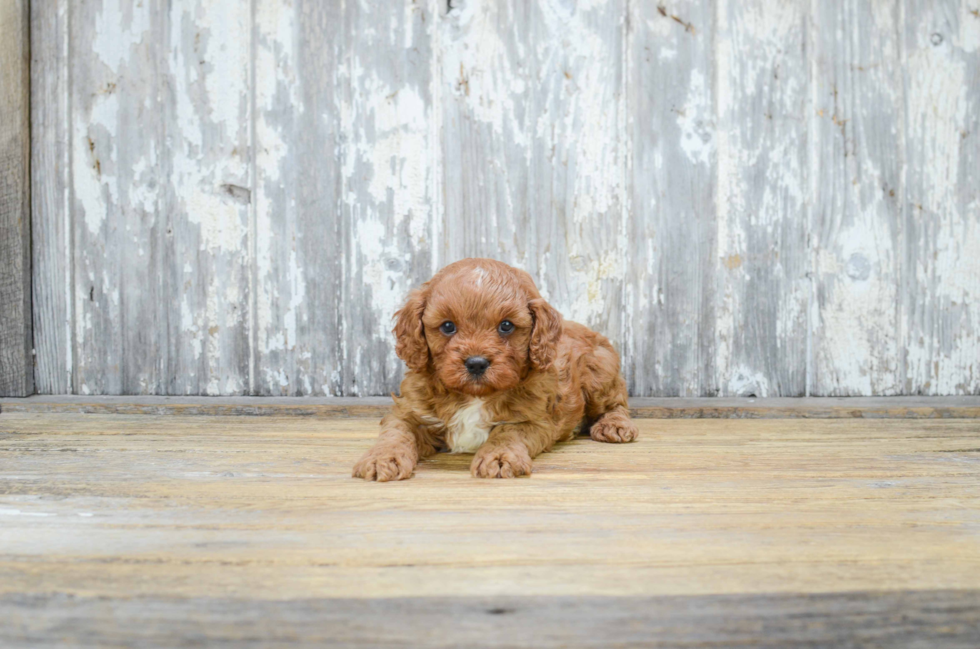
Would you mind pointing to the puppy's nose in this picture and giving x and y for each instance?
(476, 365)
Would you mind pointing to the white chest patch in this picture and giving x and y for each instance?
(468, 428)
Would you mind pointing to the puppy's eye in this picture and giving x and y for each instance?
(447, 328)
(505, 327)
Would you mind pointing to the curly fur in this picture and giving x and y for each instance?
(547, 379)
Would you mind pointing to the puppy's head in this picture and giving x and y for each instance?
(479, 326)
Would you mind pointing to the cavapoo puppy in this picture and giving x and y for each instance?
(495, 371)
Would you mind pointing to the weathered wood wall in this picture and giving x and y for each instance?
(16, 362)
(748, 197)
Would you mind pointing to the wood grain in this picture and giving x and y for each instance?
(16, 337)
(856, 523)
(52, 230)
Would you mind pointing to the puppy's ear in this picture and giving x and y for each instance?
(545, 334)
(410, 343)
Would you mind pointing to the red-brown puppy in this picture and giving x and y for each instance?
(494, 370)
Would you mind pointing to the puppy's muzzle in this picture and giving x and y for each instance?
(476, 365)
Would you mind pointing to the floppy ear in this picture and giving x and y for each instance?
(545, 333)
(410, 343)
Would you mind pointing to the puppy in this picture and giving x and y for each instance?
(493, 370)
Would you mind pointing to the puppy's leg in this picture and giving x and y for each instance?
(508, 451)
(395, 454)
(605, 404)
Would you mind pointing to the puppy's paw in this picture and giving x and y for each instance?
(384, 464)
(615, 428)
(501, 462)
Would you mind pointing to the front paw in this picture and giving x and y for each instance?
(501, 462)
(384, 464)
(615, 428)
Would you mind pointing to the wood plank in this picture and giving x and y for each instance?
(160, 175)
(941, 309)
(51, 226)
(534, 148)
(484, 131)
(669, 340)
(297, 238)
(574, 103)
(16, 336)
(857, 161)
(641, 407)
(207, 69)
(391, 181)
(118, 172)
(759, 276)
(940, 618)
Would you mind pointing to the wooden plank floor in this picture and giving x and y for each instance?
(120, 530)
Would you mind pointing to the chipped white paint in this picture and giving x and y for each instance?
(469, 428)
(590, 279)
(119, 26)
(696, 140)
(486, 68)
(746, 197)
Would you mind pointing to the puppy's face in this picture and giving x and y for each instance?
(478, 334)
(479, 327)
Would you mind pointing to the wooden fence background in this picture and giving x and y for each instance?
(765, 197)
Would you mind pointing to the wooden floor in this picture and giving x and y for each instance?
(139, 530)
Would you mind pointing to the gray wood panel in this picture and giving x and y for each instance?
(205, 82)
(747, 198)
(16, 338)
(51, 226)
(534, 147)
(390, 181)
(484, 124)
(941, 316)
(757, 278)
(160, 163)
(857, 184)
(297, 237)
(669, 338)
(577, 160)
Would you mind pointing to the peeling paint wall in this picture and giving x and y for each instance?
(747, 197)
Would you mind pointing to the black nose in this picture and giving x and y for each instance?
(476, 365)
